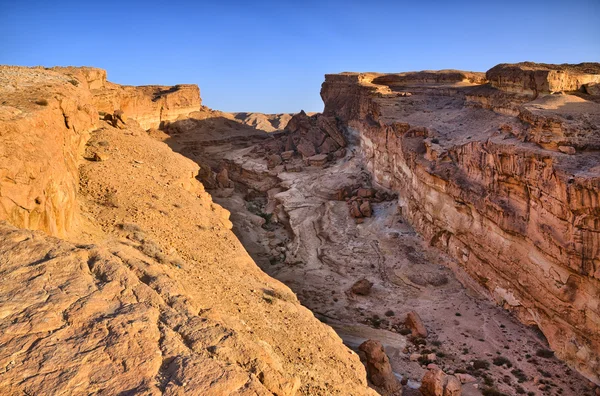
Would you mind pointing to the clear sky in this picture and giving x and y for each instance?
(270, 56)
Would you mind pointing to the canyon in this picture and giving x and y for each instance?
(435, 230)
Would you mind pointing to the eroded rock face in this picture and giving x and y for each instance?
(521, 219)
(149, 291)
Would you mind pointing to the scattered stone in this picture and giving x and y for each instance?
(379, 370)
(362, 287)
(355, 210)
(414, 357)
(415, 324)
(100, 156)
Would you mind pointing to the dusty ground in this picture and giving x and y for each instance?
(319, 251)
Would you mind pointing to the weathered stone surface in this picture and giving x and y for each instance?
(498, 204)
(365, 209)
(379, 370)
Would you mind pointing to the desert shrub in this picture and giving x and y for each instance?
(41, 102)
(389, 312)
(74, 82)
(519, 375)
(492, 392)
(501, 360)
(545, 353)
(481, 364)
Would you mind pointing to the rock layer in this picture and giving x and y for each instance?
(521, 219)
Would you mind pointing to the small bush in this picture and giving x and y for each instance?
(41, 102)
(405, 331)
(74, 82)
(492, 392)
(519, 375)
(501, 361)
(435, 140)
(436, 343)
(545, 353)
(481, 365)
(389, 313)
(458, 314)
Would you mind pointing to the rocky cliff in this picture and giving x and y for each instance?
(506, 183)
(118, 272)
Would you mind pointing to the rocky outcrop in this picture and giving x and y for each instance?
(150, 105)
(521, 219)
(540, 78)
(148, 291)
(45, 120)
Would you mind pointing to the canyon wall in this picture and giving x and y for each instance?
(119, 274)
(149, 105)
(522, 220)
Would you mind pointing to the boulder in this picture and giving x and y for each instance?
(437, 383)
(328, 146)
(287, 155)
(223, 180)
(366, 192)
(567, 150)
(306, 149)
(415, 324)
(317, 160)
(355, 210)
(362, 287)
(273, 160)
(379, 370)
(592, 88)
(365, 209)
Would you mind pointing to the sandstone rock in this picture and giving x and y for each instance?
(414, 357)
(415, 324)
(567, 150)
(306, 149)
(100, 156)
(436, 383)
(592, 88)
(379, 370)
(223, 180)
(362, 287)
(287, 155)
(366, 192)
(355, 210)
(465, 378)
(273, 160)
(317, 160)
(328, 146)
(365, 209)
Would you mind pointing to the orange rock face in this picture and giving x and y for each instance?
(486, 181)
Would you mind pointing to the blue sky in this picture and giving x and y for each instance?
(270, 56)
